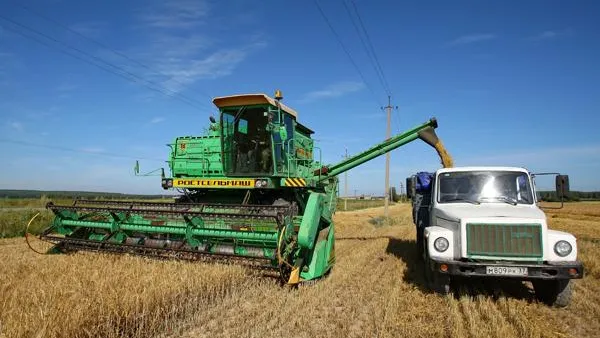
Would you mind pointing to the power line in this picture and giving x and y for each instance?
(369, 51)
(122, 72)
(101, 44)
(371, 45)
(98, 153)
(337, 37)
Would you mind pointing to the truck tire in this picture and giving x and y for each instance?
(554, 292)
(420, 245)
(436, 281)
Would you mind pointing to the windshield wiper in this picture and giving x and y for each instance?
(504, 199)
(238, 114)
(461, 200)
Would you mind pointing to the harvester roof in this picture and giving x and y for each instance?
(251, 99)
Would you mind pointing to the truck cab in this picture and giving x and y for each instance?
(486, 222)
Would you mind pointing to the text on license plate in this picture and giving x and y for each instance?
(506, 270)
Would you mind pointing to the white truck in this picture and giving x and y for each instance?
(485, 222)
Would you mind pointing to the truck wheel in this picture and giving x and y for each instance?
(554, 292)
(437, 282)
(420, 245)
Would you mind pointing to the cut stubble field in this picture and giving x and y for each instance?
(376, 289)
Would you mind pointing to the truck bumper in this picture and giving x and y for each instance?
(562, 270)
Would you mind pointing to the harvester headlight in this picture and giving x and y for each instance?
(441, 244)
(260, 183)
(166, 183)
(562, 248)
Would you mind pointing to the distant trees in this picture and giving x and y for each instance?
(574, 196)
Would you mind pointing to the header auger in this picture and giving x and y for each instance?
(251, 188)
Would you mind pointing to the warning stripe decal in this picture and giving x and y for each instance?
(295, 182)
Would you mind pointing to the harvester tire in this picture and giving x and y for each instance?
(556, 293)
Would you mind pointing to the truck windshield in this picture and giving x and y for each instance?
(510, 187)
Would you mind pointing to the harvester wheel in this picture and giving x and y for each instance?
(284, 274)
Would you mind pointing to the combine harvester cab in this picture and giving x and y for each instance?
(251, 189)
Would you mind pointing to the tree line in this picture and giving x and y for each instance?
(546, 196)
(574, 196)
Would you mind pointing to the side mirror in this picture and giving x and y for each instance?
(136, 168)
(562, 186)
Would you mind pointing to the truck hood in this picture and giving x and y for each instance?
(458, 211)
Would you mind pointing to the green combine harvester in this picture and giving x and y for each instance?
(251, 189)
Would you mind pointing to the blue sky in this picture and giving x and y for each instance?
(511, 83)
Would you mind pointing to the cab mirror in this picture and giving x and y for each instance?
(136, 168)
(562, 186)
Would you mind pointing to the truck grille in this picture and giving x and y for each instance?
(506, 240)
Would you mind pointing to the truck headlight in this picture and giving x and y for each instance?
(441, 244)
(562, 248)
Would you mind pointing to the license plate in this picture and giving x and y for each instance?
(506, 271)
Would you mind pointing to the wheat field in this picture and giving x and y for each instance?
(375, 290)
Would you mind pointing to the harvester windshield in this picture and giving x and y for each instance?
(246, 142)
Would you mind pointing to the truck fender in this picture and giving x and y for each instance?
(555, 236)
(434, 232)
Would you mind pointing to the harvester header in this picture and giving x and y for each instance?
(252, 187)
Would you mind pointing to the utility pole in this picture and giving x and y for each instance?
(346, 184)
(388, 108)
(401, 192)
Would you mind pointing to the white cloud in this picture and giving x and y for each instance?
(472, 38)
(179, 55)
(180, 14)
(18, 126)
(551, 34)
(157, 120)
(334, 90)
(181, 73)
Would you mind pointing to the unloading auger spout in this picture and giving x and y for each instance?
(425, 132)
